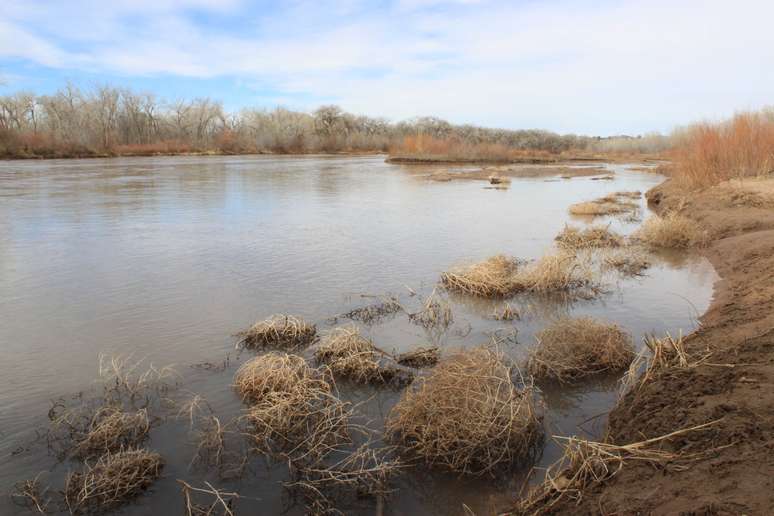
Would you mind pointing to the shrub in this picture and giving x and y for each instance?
(741, 147)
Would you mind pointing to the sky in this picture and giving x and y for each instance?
(597, 67)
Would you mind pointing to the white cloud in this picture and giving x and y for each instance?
(565, 65)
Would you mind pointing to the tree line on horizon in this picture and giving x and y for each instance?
(109, 120)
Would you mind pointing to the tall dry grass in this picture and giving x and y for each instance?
(743, 146)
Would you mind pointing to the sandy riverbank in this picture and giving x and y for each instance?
(731, 466)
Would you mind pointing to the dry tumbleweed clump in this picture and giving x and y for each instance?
(467, 416)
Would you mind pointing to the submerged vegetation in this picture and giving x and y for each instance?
(486, 422)
(420, 357)
(629, 261)
(572, 349)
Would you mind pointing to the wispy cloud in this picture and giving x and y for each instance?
(570, 65)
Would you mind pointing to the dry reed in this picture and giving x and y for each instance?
(494, 277)
(586, 464)
(671, 231)
(420, 357)
(506, 313)
(31, 495)
(595, 236)
(665, 353)
(279, 331)
(220, 503)
(467, 416)
(114, 479)
(212, 450)
(351, 356)
(124, 379)
(365, 472)
(435, 315)
(571, 349)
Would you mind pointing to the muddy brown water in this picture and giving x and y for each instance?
(166, 258)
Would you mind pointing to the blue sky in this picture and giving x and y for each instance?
(593, 67)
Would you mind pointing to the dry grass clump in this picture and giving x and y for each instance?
(302, 425)
(112, 429)
(420, 357)
(558, 273)
(294, 412)
(614, 204)
(279, 331)
(276, 372)
(671, 231)
(595, 236)
(494, 277)
(90, 429)
(572, 349)
(350, 355)
(114, 479)
(585, 464)
(629, 261)
(596, 208)
(467, 416)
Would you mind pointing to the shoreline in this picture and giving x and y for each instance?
(732, 461)
(398, 160)
(202, 154)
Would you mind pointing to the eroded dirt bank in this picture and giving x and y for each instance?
(732, 466)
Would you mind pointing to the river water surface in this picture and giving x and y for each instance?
(166, 258)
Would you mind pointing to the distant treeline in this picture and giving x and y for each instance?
(107, 120)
